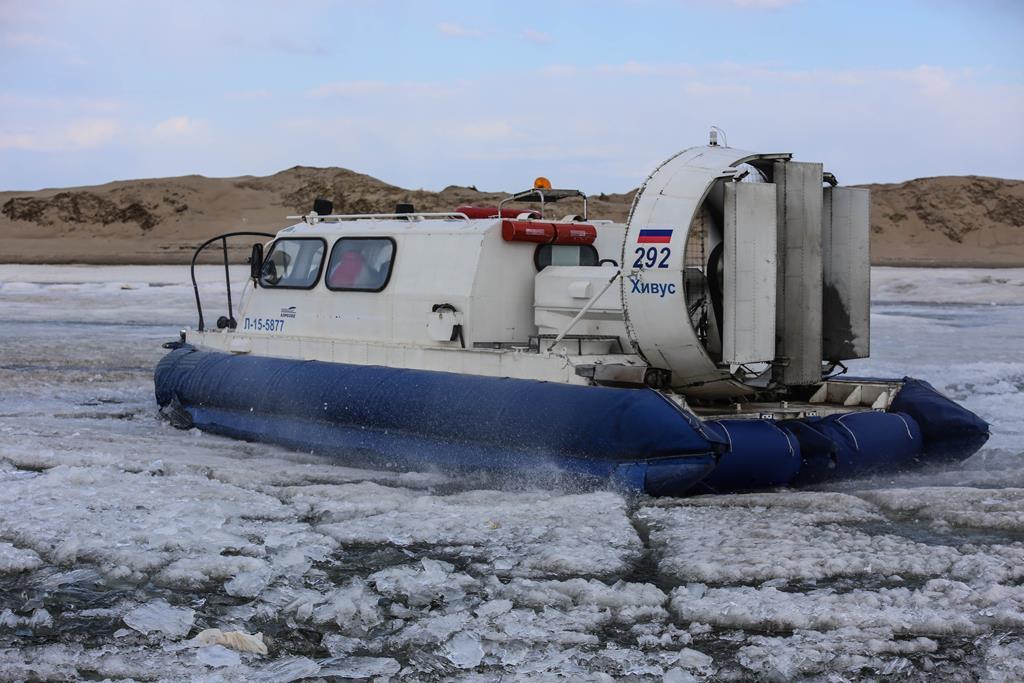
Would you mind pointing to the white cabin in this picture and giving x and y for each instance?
(736, 274)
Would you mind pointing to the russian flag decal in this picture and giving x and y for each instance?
(654, 236)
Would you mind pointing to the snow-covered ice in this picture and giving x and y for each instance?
(123, 540)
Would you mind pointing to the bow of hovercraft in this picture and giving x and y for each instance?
(698, 347)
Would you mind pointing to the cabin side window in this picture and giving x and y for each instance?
(360, 264)
(565, 255)
(293, 263)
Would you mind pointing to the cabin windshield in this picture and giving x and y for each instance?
(293, 263)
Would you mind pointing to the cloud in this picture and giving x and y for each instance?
(491, 129)
(363, 89)
(247, 95)
(559, 71)
(43, 105)
(97, 133)
(453, 30)
(77, 135)
(866, 124)
(630, 68)
(763, 4)
(701, 89)
(24, 141)
(30, 41)
(92, 133)
(747, 4)
(537, 37)
(930, 80)
(643, 69)
(350, 88)
(177, 127)
(613, 123)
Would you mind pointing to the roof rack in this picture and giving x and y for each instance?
(313, 217)
(544, 195)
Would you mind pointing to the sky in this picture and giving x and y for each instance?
(590, 93)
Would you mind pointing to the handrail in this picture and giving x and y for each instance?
(227, 276)
(527, 196)
(315, 218)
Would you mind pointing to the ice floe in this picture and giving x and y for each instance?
(943, 285)
(961, 506)
(714, 541)
(521, 534)
(939, 607)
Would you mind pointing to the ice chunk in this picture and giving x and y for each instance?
(217, 656)
(420, 586)
(198, 572)
(359, 667)
(692, 659)
(160, 616)
(1003, 660)
(354, 607)
(677, 675)
(493, 608)
(249, 584)
(464, 650)
(339, 645)
(39, 617)
(627, 602)
(287, 669)
(853, 651)
(112, 661)
(14, 560)
(55, 580)
(626, 661)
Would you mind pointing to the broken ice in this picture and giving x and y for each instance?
(121, 537)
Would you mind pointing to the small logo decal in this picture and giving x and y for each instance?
(288, 312)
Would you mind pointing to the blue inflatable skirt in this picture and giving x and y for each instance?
(633, 438)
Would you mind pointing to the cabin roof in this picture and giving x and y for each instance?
(390, 226)
(364, 226)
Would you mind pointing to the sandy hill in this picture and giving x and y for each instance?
(949, 220)
(932, 221)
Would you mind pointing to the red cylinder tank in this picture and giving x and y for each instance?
(575, 233)
(527, 231)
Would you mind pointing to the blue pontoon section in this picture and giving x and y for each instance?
(761, 455)
(855, 444)
(421, 419)
(950, 431)
(635, 438)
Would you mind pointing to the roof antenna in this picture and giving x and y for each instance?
(715, 130)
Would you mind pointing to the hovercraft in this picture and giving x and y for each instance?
(696, 348)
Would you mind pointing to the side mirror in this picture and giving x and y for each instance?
(256, 261)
